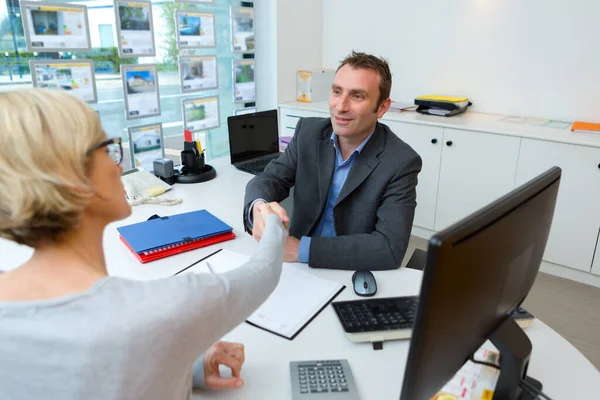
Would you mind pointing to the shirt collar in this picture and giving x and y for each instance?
(361, 146)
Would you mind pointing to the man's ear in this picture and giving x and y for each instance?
(383, 107)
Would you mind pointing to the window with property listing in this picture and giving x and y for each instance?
(151, 67)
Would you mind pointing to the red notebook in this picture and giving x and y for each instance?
(177, 248)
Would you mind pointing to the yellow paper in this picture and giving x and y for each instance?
(446, 99)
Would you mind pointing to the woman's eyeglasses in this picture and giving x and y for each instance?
(115, 150)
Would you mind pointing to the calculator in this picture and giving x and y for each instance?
(322, 380)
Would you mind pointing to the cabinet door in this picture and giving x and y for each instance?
(427, 142)
(289, 117)
(574, 232)
(476, 169)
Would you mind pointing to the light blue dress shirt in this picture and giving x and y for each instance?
(326, 225)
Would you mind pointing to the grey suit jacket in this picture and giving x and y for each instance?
(374, 212)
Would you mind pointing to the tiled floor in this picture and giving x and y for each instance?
(570, 308)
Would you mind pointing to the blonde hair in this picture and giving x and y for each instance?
(45, 142)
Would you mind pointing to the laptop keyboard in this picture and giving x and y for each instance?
(377, 314)
(255, 166)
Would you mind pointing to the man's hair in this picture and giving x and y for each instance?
(45, 142)
(359, 60)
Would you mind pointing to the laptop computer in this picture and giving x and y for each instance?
(253, 140)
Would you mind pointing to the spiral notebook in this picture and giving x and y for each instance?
(165, 236)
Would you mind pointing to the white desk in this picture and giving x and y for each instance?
(564, 371)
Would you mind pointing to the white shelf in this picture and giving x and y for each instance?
(472, 121)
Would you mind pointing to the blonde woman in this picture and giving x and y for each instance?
(67, 330)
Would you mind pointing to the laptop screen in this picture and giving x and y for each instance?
(253, 135)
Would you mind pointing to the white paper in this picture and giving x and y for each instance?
(242, 29)
(244, 85)
(56, 27)
(512, 120)
(223, 261)
(201, 113)
(244, 111)
(76, 77)
(198, 73)
(141, 90)
(399, 105)
(146, 144)
(134, 28)
(530, 121)
(534, 121)
(474, 381)
(195, 29)
(557, 124)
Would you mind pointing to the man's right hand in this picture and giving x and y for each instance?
(259, 216)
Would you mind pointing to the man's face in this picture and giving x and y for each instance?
(353, 101)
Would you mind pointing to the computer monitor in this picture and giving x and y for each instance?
(478, 272)
(253, 135)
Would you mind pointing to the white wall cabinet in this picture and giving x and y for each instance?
(476, 169)
(576, 221)
(427, 142)
(473, 159)
(289, 117)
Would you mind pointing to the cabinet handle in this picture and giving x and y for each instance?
(449, 143)
(598, 165)
(434, 140)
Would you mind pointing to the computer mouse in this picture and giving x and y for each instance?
(364, 283)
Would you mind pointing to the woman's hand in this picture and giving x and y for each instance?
(228, 354)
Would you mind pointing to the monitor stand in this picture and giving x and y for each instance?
(515, 350)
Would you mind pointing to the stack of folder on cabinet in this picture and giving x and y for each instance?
(441, 105)
(165, 236)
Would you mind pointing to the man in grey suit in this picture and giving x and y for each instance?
(354, 180)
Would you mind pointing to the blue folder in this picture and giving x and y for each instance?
(174, 229)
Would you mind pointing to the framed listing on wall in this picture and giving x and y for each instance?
(74, 76)
(140, 90)
(242, 29)
(244, 85)
(200, 113)
(145, 145)
(198, 73)
(135, 31)
(195, 29)
(55, 26)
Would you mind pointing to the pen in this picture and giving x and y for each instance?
(210, 268)
(200, 260)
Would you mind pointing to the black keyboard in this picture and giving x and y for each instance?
(255, 166)
(381, 314)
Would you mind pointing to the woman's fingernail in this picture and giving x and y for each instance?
(240, 383)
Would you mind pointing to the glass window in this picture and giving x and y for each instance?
(15, 73)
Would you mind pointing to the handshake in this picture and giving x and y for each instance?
(260, 211)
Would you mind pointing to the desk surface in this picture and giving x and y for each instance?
(564, 371)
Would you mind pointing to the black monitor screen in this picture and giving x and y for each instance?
(253, 135)
(477, 272)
